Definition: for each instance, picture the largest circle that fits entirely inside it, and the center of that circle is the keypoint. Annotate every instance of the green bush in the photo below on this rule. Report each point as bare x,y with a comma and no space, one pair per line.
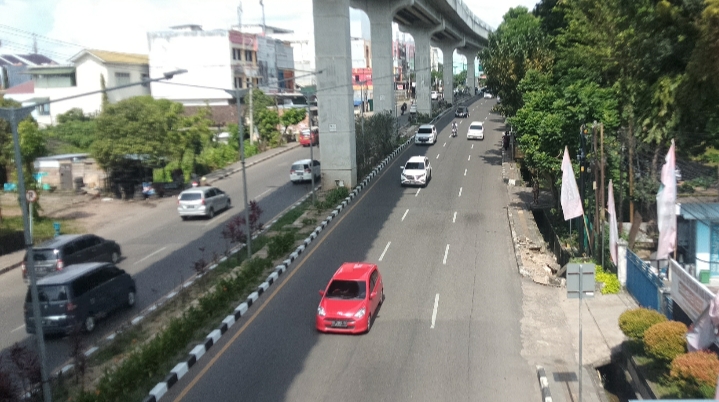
695,374
634,322
610,281
333,198
665,340
280,244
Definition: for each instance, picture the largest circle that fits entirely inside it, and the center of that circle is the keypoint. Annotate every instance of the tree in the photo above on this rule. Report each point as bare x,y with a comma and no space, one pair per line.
460,79
6,143
105,100
265,119
32,146
290,117
136,131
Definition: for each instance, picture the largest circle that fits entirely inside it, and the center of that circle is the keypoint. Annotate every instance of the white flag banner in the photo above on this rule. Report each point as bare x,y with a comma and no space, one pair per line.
571,201
666,207
613,233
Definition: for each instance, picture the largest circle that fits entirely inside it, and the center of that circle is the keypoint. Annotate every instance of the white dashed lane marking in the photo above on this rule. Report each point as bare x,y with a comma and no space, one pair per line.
434,311
385,250
405,214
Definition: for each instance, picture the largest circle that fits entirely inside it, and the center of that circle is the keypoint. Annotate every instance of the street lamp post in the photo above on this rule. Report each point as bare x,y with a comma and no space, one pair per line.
237,94
14,115
308,95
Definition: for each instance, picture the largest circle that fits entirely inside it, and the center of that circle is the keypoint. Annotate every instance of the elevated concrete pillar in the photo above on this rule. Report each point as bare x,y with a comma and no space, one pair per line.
422,67
448,72
471,55
380,15
334,92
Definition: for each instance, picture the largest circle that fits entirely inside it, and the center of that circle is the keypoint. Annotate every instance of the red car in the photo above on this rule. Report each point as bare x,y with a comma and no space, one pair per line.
308,138
351,299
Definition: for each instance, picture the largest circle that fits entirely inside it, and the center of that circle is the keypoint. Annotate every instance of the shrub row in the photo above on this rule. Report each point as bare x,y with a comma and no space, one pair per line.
141,368
610,281
694,374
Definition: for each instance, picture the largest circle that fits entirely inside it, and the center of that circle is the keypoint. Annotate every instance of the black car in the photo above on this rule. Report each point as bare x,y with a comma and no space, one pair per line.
61,251
78,296
461,111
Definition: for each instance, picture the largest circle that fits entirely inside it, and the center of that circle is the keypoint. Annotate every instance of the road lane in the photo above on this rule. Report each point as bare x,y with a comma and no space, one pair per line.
473,351
159,248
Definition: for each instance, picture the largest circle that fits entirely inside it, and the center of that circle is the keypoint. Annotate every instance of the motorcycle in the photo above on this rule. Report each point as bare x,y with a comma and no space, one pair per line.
454,131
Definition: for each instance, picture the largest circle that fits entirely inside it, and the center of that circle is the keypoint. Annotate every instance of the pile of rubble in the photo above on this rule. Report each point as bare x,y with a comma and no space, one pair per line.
538,264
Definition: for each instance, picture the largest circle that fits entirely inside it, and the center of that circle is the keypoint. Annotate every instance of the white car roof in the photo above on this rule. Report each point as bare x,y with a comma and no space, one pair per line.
427,126
475,123
418,158
301,161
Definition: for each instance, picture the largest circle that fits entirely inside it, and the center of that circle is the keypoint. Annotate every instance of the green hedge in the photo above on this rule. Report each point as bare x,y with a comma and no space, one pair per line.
634,322
138,373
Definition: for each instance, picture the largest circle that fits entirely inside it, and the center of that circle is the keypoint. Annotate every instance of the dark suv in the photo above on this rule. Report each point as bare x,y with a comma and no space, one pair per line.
461,111
78,296
61,251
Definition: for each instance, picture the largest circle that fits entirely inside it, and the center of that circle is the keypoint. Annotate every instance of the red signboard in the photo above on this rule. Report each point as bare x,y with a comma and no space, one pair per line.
244,39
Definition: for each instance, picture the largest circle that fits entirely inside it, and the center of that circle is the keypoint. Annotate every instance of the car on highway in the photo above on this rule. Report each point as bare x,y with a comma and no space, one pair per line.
475,131
351,299
417,171
435,95
413,109
310,137
79,296
462,111
55,254
487,95
426,134
202,201
301,171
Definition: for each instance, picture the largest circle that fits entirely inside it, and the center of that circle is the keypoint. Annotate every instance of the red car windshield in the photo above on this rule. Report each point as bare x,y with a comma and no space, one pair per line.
346,290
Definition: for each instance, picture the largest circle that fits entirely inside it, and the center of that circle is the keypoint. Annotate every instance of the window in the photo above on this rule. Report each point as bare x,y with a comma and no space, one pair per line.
347,290
43,110
236,54
414,166
248,55
51,293
145,77
238,82
425,130
122,78
373,279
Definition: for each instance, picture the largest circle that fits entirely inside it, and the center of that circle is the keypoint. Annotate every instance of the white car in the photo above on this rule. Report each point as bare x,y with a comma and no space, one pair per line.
426,134
417,171
475,131
301,171
201,201
435,95
487,95
413,108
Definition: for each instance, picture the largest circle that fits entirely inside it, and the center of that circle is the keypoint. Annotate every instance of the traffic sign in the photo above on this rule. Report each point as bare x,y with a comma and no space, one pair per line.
31,196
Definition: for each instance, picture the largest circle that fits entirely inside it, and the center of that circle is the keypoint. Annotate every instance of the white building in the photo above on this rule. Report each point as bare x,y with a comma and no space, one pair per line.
223,59
88,70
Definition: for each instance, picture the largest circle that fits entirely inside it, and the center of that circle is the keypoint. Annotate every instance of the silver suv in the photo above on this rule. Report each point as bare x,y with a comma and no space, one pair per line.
202,201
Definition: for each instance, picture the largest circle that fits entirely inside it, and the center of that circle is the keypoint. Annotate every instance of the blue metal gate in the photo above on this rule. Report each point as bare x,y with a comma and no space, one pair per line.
642,283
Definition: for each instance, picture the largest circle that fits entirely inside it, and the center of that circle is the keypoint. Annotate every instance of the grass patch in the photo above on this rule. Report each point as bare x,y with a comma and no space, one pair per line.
42,228
291,216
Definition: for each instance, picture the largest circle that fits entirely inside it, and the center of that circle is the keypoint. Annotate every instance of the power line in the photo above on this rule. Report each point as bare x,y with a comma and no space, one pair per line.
32,34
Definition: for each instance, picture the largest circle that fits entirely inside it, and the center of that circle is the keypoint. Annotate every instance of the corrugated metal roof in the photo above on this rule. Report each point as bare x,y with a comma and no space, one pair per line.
62,157
700,211
115,57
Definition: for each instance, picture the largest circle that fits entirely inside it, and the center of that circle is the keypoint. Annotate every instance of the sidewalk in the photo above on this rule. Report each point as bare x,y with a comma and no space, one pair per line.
550,326
11,261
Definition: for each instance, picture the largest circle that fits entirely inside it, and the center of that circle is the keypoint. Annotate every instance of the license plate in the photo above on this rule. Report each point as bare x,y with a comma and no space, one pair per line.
339,324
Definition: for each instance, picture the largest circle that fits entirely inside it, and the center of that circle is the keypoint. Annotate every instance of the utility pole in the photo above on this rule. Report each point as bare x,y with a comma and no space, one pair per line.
264,27
581,156
602,162
630,145
244,173
596,187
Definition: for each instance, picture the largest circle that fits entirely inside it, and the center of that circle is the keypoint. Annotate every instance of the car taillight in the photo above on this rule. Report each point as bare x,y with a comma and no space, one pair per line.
70,307
202,202
60,265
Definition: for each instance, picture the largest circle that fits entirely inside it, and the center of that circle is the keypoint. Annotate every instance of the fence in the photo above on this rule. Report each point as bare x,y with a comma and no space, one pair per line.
645,286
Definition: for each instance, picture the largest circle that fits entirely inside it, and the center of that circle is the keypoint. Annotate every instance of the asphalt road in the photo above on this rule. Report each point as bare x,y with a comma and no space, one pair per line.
159,249
450,326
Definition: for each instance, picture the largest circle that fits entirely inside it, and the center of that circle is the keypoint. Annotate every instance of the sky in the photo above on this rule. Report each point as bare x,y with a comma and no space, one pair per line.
64,27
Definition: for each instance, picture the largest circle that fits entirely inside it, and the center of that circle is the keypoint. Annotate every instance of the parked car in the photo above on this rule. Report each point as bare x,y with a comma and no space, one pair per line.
417,171
351,299
487,95
310,137
462,111
435,95
202,201
57,253
426,133
475,131
301,171
79,296
413,109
